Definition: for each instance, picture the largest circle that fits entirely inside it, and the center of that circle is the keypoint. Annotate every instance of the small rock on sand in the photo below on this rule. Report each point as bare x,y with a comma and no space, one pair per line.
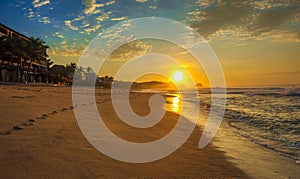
298,162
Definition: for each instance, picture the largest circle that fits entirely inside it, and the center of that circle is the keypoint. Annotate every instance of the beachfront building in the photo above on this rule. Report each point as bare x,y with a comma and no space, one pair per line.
22,59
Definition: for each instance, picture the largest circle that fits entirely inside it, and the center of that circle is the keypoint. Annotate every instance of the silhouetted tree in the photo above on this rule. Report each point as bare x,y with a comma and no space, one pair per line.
105,81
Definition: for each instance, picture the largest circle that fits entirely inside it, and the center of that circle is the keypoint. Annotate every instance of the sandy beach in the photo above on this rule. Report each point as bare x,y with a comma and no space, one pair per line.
40,137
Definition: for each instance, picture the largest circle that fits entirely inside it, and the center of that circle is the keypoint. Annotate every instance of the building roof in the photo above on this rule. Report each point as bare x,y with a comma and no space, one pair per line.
10,29
18,33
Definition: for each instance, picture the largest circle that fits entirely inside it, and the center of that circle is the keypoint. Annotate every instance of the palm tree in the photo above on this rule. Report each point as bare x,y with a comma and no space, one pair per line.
37,51
69,73
105,81
22,53
16,51
58,72
49,64
89,70
6,53
12,50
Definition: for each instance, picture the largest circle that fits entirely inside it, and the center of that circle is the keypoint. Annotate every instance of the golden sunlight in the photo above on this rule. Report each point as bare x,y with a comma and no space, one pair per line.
178,76
175,104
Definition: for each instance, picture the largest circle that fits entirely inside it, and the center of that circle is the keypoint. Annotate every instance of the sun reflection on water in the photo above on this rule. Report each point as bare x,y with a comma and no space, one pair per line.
173,103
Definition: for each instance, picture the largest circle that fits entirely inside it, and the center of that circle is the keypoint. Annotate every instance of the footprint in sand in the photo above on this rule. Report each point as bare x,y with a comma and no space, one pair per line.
63,109
17,127
31,120
29,124
17,97
43,117
5,133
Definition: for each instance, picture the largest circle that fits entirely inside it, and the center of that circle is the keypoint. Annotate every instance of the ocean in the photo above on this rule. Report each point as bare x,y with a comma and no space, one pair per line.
269,117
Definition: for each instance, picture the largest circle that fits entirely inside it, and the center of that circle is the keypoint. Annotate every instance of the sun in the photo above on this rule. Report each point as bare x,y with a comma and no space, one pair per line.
178,76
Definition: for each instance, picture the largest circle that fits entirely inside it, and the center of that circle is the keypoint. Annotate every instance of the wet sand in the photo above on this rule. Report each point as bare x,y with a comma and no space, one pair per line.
40,137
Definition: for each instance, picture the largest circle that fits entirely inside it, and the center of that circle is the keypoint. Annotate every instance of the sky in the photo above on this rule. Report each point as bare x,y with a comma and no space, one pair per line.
256,42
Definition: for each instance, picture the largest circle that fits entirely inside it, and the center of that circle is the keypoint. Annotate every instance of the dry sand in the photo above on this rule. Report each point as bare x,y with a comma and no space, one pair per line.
54,147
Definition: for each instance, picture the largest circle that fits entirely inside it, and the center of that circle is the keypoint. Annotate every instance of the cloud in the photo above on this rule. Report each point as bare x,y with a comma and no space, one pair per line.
103,17
152,7
35,13
204,3
271,4
85,25
63,42
197,15
31,14
118,19
96,12
244,20
66,50
78,18
285,36
92,29
60,36
45,20
217,18
141,1
68,24
91,6
110,3
130,50
268,21
39,3
57,34
88,24
296,17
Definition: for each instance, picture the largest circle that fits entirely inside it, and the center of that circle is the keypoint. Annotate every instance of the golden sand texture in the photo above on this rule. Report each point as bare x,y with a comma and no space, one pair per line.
49,143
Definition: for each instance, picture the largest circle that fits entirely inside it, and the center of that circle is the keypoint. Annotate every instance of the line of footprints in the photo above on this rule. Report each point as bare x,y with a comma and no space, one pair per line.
31,122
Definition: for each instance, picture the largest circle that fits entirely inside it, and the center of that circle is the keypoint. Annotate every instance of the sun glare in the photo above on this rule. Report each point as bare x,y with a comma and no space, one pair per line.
178,76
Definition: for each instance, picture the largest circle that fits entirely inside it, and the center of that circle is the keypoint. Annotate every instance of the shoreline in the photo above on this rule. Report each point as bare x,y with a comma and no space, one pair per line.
256,160
55,139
